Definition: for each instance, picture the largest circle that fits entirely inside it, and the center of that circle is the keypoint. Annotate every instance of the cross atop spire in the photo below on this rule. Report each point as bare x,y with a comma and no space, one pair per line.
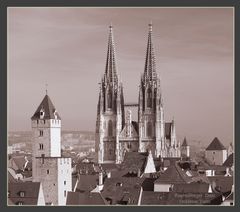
46,88
150,66
111,71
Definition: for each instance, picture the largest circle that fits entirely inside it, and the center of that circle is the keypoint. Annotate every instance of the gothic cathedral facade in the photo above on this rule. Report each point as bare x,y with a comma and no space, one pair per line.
116,133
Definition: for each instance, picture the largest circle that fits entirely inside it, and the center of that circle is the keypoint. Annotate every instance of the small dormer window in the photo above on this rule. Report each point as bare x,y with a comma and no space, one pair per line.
42,113
22,194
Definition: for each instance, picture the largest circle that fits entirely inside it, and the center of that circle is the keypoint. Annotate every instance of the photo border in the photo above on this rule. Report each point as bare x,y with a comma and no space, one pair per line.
4,4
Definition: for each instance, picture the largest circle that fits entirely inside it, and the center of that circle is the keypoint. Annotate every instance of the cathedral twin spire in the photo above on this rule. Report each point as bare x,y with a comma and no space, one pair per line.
150,66
111,70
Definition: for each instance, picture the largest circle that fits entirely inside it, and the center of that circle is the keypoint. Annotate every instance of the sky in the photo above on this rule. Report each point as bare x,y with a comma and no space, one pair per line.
66,48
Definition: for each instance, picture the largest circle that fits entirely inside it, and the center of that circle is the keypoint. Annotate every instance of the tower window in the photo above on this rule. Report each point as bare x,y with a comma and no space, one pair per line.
109,99
110,128
41,146
40,133
149,98
64,182
65,193
149,129
48,171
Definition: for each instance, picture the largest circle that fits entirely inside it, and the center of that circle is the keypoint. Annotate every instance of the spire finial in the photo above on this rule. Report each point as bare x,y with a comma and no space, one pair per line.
46,88
150,26
110,26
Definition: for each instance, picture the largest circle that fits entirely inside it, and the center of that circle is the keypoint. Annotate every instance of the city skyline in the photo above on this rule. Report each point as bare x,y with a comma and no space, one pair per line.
67,47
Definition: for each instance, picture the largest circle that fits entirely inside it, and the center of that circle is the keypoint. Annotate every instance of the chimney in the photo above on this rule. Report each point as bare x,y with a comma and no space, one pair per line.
100,178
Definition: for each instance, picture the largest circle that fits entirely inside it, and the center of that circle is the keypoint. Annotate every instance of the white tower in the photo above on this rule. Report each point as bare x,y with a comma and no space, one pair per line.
48,166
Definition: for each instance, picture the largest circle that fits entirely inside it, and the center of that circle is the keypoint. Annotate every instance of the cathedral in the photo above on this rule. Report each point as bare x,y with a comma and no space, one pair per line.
116,132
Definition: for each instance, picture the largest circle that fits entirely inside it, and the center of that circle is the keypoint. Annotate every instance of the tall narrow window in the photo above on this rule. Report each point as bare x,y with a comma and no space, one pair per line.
110,128
65,193
40,133
109,99
48,171
149,129
64,182
149,98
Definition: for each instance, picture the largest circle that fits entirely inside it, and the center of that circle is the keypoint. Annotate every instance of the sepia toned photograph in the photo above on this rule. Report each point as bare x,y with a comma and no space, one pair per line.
121,106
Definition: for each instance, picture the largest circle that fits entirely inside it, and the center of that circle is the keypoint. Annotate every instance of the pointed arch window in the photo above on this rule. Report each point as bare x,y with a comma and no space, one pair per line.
109,99
110,128
149,98
149,129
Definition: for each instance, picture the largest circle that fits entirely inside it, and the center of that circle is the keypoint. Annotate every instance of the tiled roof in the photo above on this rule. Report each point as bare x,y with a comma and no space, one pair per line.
173,174
20,161
173,198
215,145
221,183
87,183
120,188
11,179
194,187
85,168
48,108
86,198
229,161
30,189
134,161
148,184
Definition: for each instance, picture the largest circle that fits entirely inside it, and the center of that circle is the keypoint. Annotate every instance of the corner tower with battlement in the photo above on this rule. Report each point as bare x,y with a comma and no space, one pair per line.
49,168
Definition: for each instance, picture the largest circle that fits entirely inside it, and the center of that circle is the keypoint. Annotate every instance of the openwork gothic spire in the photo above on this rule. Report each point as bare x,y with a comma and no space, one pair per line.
150,66
111,72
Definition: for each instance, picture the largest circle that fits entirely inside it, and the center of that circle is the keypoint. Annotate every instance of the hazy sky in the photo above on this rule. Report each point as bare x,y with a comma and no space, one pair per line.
67,48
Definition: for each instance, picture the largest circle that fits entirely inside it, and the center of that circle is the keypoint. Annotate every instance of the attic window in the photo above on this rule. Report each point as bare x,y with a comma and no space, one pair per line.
119,184
41,113
21,193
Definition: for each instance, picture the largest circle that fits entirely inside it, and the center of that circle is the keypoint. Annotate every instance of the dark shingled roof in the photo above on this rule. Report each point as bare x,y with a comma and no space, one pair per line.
87,183
31,190
185,142
168,130
229,161
48,108
122,189
20,161
215,145
221,183
173,174
195,187
86,198
134,161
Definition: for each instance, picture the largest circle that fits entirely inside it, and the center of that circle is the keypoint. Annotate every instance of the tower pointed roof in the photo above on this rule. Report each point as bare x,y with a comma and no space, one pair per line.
150,66
111,71
215,145
184,142
49,109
